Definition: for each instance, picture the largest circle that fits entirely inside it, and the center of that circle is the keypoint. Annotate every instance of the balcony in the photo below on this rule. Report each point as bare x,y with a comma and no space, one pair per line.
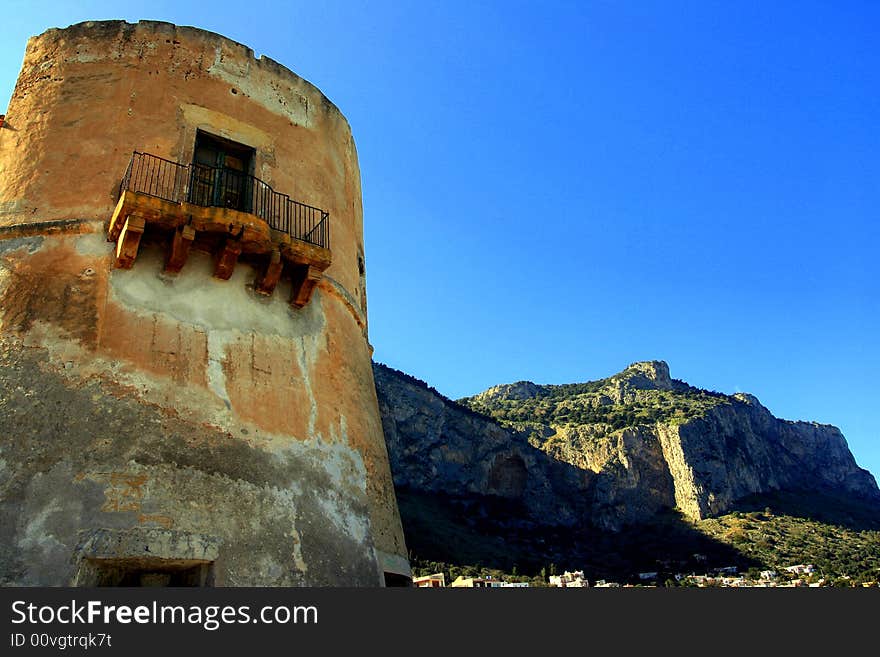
225,212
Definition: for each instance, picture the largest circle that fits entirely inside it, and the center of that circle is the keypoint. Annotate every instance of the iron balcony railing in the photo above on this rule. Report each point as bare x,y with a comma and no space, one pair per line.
217,187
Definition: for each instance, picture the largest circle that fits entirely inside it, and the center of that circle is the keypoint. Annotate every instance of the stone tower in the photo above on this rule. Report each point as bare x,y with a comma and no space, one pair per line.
186,396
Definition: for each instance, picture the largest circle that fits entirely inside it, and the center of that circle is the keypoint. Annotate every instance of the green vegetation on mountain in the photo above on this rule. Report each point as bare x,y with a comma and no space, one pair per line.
777,541
596,403
840,536
844,544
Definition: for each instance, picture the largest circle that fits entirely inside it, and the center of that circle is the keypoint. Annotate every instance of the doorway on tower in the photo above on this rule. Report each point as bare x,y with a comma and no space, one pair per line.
222,173
396,579
145,571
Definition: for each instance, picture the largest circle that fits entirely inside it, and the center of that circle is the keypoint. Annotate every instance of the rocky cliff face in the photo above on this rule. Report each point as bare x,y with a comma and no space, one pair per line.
609,452
738,449
438,446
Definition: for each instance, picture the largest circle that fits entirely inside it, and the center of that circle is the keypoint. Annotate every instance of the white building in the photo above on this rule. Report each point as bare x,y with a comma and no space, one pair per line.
569,580
801,569
435,581
477,583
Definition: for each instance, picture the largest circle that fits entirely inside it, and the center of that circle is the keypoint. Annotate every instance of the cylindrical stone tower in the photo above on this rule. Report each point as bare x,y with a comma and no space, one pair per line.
186,395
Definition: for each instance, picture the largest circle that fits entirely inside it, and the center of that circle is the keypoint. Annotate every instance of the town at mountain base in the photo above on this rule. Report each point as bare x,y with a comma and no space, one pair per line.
634,472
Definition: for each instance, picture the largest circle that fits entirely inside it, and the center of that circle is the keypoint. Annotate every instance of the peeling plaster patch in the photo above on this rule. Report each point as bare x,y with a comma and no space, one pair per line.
123,491
332,455
343,464
196,297
93,244
298,560
307,357
343,428
341,500
200,403
59,345
291,498
36,534
277,96
32,244
228,66
313,403
84,58
217,343
340,514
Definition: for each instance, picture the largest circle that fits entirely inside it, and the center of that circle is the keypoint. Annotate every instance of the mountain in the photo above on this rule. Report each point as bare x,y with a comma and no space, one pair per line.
557,469
650,441
612,452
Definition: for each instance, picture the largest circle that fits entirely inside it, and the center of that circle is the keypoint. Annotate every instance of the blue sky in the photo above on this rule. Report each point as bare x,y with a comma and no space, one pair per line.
553,190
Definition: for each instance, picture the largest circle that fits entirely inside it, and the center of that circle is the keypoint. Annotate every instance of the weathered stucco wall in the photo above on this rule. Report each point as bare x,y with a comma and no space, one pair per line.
180,413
